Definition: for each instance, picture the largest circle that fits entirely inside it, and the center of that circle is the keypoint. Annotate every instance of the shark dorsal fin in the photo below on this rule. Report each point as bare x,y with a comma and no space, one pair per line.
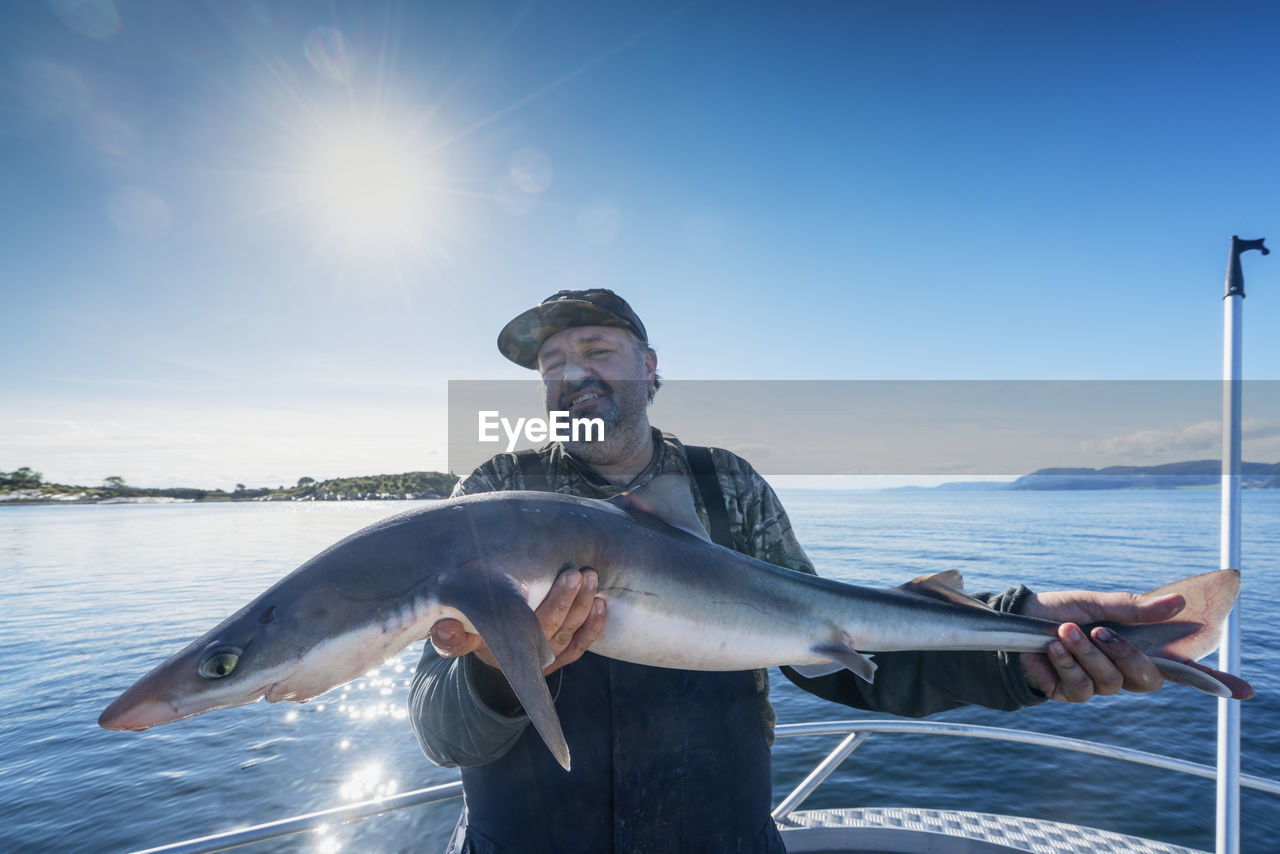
947,586
667,497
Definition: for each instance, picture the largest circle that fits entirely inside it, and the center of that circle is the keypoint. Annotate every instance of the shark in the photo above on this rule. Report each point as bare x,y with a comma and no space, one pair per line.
674,599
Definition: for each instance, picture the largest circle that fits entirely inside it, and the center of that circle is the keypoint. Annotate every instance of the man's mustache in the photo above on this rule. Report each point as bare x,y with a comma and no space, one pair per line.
590,383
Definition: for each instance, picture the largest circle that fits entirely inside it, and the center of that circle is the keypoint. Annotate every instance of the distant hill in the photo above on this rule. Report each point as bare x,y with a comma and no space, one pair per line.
1194,473
26,487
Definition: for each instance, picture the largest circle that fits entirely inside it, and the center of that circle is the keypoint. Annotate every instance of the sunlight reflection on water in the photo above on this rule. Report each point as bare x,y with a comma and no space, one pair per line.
366,782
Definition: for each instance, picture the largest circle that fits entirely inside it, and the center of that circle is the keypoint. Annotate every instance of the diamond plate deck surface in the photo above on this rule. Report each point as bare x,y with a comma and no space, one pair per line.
1016,833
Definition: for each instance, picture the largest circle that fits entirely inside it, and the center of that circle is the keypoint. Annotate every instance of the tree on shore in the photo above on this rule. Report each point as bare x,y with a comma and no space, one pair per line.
306,481
113,482
21,478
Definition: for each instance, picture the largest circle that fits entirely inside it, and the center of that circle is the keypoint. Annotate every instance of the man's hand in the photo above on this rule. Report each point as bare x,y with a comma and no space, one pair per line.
1076,666
571,615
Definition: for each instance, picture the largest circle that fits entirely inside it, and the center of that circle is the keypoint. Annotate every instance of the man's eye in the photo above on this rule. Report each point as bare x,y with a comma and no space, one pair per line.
553,366
596,354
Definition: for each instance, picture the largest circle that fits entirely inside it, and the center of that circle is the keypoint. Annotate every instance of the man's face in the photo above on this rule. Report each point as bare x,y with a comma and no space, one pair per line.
597,372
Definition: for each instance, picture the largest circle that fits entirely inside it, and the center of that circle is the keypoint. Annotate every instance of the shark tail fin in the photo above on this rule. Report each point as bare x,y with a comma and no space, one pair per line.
514,636
1176,645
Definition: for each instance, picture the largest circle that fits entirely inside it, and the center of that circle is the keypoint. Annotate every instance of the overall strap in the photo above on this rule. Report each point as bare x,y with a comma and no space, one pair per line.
704,475
532,470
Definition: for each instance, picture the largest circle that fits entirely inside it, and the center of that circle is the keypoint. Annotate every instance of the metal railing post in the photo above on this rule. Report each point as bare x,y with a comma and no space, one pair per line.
818,774
1227,825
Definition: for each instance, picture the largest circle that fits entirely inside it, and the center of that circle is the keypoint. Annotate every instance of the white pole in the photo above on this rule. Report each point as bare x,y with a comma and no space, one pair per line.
1228,822
1228,806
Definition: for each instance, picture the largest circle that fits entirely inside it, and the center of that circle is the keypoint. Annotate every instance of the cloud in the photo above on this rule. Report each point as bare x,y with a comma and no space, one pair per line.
1196,440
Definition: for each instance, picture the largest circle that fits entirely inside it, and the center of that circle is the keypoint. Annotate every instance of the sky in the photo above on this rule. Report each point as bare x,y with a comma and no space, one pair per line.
247,242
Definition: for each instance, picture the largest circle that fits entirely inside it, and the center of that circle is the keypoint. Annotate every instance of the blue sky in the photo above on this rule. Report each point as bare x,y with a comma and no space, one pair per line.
200,287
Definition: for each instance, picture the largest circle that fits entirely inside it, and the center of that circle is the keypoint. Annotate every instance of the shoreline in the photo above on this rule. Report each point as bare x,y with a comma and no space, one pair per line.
164,499
25,487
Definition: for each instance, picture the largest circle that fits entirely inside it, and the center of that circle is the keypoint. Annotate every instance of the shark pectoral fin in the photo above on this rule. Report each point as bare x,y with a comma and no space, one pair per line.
849,658
514,636
1203,678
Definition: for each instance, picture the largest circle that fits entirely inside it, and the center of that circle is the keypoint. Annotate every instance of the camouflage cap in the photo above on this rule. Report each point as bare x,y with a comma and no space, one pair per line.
521,339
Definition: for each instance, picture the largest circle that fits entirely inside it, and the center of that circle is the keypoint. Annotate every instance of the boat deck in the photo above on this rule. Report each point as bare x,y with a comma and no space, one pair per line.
893,830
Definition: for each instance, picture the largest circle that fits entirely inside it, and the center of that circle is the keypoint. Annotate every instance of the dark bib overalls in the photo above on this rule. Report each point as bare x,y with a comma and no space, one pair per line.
663,761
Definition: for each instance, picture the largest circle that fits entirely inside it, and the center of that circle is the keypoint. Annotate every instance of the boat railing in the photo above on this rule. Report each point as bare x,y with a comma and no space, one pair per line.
855,732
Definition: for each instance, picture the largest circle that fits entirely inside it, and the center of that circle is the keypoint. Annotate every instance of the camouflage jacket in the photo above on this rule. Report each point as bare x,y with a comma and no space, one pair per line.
757,522
456,727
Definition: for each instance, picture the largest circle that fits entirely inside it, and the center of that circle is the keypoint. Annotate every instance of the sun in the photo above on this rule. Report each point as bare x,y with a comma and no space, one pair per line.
367,188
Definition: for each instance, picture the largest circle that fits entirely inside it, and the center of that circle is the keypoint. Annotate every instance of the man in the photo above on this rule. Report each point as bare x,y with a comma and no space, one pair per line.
668,760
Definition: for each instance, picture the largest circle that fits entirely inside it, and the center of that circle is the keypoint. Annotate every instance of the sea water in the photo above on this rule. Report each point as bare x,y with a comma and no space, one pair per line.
93,596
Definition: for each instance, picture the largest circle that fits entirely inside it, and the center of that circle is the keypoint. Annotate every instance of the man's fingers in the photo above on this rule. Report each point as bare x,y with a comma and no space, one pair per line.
1084,606
1074,684
571,616
450,639
1076,667
1100,665
1138,672
1132,608
553,610
1103,676
1160,608
579,608
583,623
590,631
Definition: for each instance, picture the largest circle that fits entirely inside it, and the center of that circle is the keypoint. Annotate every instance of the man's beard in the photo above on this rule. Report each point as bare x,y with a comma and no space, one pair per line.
620,407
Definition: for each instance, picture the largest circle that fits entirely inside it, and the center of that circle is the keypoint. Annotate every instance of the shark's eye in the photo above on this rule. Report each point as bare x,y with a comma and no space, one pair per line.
219,663
267,615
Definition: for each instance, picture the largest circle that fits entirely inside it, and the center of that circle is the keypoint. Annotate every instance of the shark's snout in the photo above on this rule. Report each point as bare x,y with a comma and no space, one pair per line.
144,709
131,714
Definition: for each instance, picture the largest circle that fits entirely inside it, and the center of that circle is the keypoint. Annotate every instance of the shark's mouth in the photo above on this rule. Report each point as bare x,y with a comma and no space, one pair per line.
279,688
279,692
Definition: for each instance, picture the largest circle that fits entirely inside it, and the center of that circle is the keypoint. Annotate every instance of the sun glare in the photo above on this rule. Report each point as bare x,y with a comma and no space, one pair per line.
368,189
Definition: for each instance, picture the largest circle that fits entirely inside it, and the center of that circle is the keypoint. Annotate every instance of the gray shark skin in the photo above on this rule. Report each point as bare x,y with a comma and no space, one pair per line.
673,598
